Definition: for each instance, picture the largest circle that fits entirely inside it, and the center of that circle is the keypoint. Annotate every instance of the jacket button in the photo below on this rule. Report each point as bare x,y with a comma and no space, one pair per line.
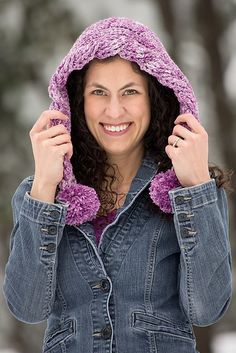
179,200
52,230
105,285
106,332
55,214
185,232
182,217
51,247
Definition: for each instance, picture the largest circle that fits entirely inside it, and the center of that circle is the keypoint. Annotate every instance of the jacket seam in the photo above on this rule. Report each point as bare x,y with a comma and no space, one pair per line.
189,284
150,269
49,290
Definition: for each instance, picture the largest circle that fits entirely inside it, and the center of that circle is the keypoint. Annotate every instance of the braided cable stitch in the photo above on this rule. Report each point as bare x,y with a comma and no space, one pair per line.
135,42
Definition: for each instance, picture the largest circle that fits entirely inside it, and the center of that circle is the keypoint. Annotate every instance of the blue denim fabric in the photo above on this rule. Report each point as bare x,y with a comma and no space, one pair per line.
151,277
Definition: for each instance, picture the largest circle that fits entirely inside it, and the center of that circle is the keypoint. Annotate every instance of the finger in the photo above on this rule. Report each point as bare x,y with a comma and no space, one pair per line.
170,151
53,131
66,149
175,141
58,140
70,151
45,135
191,122
182,132
45,119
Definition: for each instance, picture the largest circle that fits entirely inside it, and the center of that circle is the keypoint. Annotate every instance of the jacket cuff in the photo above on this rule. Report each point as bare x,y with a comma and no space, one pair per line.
44,212
48,221
184,199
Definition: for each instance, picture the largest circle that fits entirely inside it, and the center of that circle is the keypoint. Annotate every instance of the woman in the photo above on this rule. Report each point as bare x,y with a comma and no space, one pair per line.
120,239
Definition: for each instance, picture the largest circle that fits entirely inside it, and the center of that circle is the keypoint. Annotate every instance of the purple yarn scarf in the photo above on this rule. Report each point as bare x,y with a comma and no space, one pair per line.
132,41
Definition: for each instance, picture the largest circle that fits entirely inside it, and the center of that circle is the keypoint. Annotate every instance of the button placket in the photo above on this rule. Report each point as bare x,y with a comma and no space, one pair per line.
105,285
187,232
184,217
52,230
181,199
49,230
105,333
51,247
55,214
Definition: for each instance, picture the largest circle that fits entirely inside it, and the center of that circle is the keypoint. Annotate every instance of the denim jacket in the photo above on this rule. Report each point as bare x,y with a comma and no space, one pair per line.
140,290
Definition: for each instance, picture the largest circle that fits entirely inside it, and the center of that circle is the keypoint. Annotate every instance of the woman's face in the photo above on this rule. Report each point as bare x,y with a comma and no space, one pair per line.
116,106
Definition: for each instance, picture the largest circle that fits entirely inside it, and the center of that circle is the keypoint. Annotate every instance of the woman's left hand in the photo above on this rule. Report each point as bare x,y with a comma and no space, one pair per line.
188,151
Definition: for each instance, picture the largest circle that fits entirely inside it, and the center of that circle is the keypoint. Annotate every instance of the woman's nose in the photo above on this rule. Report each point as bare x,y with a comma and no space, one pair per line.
114,108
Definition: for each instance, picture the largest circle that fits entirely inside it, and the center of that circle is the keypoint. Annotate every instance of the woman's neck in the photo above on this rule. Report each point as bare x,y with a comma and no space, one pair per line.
126,169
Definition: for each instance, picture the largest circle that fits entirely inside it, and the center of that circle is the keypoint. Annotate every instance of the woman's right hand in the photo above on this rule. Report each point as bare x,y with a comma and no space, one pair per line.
50,144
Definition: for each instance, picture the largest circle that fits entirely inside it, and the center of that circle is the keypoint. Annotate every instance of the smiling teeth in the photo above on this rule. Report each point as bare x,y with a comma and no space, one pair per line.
116,128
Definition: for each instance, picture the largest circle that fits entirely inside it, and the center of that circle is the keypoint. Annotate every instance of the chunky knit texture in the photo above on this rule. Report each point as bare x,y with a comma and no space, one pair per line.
135,42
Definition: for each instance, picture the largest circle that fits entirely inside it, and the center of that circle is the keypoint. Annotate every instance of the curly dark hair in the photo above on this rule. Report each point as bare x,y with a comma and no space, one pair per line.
89,160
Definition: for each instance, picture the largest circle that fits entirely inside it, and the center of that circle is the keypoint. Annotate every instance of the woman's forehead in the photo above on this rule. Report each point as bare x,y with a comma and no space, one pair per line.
113,66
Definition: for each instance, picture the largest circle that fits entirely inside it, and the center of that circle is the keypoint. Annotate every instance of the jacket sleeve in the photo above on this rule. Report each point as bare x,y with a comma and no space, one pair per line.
30,274
205,276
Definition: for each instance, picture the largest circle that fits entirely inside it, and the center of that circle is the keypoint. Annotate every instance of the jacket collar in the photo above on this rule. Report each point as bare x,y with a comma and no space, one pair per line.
144,176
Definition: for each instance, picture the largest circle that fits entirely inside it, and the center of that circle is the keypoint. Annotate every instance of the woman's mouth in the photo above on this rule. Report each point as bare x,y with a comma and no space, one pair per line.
116,129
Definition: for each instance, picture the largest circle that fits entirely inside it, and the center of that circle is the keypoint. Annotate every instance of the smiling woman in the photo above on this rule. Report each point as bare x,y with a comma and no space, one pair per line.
118,114
146,99
120,238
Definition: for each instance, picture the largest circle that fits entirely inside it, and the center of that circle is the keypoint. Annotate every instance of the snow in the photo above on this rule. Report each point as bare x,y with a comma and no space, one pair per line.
224,343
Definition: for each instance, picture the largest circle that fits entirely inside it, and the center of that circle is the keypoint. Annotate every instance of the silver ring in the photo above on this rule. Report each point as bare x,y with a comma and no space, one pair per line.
175,144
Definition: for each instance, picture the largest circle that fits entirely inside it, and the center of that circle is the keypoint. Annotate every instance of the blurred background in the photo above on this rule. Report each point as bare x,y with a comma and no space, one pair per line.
36,35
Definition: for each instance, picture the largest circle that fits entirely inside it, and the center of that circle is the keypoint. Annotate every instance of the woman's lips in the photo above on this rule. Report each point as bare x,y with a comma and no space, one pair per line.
116,130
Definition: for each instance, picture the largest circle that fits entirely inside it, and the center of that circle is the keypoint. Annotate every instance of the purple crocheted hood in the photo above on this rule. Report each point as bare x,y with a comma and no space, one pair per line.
132,41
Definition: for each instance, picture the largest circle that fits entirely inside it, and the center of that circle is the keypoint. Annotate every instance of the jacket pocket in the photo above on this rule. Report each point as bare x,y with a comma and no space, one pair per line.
155,324
59,336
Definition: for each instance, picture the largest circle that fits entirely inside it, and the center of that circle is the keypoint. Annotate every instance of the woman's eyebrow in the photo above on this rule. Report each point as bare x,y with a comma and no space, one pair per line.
98,85
130,84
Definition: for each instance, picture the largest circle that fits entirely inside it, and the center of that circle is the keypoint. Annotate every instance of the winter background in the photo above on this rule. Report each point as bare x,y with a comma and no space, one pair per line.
35,36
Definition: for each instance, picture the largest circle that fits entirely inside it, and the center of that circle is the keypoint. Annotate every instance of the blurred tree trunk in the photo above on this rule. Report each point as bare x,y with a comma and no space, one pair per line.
24,52
169,22
210,25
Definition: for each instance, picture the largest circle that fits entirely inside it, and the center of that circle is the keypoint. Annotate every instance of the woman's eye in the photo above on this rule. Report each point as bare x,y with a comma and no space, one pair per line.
130,92
98,92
